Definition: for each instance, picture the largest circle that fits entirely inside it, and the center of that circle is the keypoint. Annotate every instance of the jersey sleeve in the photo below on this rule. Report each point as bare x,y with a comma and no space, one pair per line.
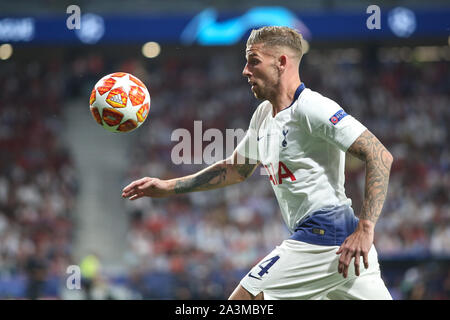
324,118
248,147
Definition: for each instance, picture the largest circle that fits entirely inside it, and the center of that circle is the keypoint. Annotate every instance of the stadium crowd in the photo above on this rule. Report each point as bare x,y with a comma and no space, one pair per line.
38,183
198,246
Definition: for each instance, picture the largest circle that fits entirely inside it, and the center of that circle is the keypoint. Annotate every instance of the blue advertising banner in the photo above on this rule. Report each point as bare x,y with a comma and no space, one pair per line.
210,27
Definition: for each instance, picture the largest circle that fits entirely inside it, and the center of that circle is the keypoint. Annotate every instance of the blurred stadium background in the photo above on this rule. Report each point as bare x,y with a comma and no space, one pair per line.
61,175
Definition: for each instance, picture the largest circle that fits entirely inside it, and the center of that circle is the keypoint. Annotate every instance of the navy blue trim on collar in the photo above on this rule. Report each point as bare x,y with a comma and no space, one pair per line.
299,90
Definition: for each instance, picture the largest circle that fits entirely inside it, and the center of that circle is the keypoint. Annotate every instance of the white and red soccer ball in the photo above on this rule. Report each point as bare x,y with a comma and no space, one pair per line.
120,102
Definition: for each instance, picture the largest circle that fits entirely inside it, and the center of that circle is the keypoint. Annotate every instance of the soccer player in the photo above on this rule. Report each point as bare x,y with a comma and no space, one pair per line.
300,137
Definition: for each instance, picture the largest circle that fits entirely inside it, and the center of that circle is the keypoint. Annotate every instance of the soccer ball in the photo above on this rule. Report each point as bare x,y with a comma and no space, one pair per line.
119,102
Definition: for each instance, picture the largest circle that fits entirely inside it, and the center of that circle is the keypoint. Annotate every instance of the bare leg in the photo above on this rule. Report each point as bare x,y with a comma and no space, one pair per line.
241,294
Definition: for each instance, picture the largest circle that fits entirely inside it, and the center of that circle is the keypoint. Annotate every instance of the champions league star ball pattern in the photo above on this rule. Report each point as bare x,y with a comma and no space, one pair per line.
119,102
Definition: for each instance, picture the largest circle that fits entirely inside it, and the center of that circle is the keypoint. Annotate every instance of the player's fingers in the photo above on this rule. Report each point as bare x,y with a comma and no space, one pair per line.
129,193
145,185
345,261
357,258
345,270
136,196
342,261
134,187
342,269
129,187
366,260
341,248
134,184
126,193
341,264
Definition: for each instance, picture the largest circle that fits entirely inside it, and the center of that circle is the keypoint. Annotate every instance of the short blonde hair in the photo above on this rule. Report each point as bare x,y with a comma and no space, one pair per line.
277,36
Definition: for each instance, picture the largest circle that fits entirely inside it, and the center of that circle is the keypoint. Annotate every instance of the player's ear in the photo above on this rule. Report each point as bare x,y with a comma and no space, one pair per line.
282,62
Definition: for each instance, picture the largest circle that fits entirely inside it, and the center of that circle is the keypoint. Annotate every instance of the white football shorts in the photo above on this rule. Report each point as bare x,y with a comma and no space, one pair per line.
309,270
299,270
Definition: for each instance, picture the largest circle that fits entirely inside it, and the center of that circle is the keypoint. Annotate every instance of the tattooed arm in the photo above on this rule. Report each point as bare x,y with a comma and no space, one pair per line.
378,165
221,174
378,162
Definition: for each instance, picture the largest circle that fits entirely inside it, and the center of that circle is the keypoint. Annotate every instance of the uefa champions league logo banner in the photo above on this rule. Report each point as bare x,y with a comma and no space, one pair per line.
204,28
211,27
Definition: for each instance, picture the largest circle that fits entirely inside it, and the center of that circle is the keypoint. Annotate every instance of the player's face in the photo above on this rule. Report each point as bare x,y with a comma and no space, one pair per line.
261,71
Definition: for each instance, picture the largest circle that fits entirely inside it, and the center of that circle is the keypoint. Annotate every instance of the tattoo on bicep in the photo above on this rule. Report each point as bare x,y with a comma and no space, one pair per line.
360,146
208,178
378,163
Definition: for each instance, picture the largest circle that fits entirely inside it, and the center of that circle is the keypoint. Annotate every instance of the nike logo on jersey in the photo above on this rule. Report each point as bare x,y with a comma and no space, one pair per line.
267,135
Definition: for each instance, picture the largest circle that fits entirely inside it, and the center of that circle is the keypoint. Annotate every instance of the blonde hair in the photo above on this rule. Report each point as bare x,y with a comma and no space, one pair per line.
277,36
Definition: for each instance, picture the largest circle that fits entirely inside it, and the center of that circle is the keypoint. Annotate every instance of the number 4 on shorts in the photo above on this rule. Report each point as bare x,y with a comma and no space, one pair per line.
265,266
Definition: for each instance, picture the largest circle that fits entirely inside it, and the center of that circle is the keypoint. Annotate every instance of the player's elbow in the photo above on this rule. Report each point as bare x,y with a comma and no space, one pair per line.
390,157
387,158
239,179
242,177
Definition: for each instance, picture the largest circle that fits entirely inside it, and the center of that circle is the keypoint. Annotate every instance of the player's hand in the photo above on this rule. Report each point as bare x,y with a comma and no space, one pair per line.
356,245
149,187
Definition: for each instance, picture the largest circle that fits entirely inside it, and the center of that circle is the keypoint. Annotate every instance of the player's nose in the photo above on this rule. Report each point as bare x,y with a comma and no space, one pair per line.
246,72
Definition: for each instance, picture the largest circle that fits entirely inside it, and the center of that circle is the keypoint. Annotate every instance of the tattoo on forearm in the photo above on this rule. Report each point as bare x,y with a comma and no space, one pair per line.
244,170
204,180
378,165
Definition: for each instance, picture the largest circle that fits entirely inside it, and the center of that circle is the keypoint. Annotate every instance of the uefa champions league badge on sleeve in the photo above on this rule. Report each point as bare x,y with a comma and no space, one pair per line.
338,116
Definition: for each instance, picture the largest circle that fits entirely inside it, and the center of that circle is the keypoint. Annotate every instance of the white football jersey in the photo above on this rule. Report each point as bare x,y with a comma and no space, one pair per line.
303,150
